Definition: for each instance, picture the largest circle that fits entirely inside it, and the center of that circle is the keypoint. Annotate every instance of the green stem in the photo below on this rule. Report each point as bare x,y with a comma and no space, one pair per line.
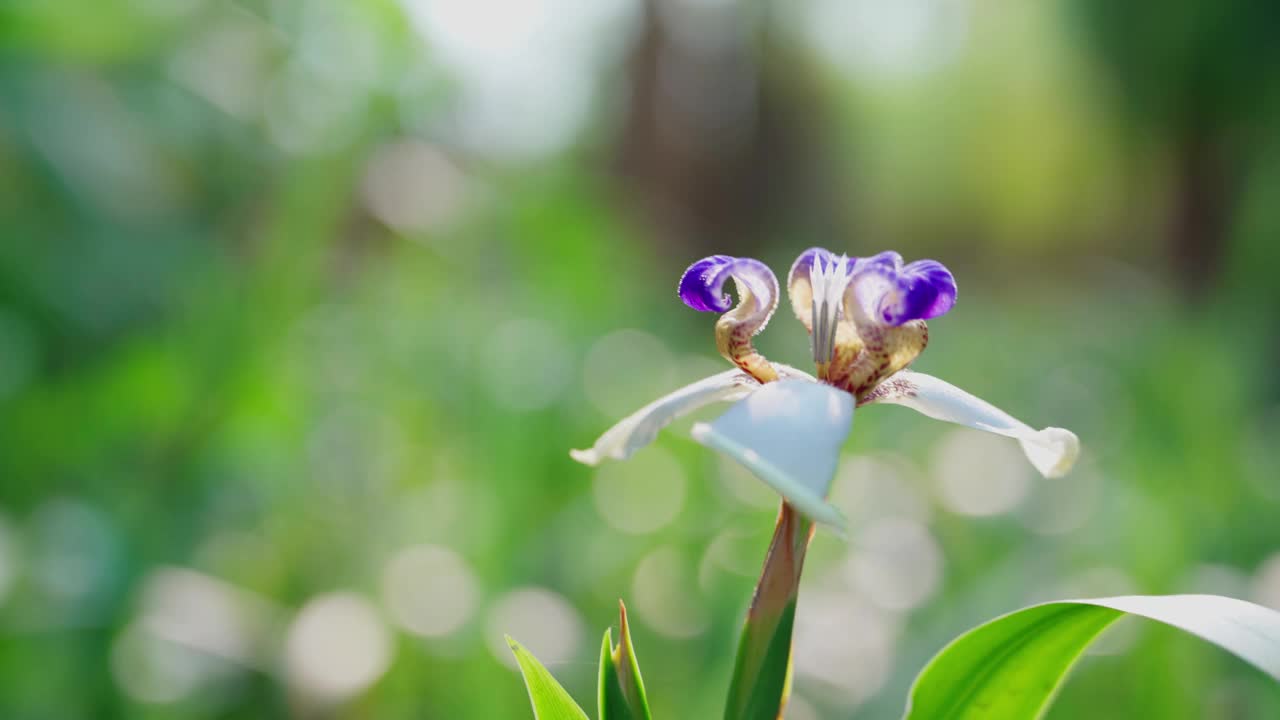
762,672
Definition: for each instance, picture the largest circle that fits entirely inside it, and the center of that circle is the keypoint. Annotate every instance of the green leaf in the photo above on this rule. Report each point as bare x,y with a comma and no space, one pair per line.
1011,667
622,695
760,687
550,700
762,671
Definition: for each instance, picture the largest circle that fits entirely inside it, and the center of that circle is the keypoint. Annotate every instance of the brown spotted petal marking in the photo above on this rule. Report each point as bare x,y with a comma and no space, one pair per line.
874,354
865,316
702,288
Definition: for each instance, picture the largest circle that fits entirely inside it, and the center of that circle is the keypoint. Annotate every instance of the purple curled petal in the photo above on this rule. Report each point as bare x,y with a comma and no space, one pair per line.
702,285
941,286
892,293
922,290
699,288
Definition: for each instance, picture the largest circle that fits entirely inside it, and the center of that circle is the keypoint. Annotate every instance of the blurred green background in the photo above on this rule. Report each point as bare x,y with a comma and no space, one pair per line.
303,303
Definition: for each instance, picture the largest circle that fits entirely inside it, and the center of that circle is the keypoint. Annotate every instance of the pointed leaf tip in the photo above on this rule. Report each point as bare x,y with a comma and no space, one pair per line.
624,634
549,699
622,694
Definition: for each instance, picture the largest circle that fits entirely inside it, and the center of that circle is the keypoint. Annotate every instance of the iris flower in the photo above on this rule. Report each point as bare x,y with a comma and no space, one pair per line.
866,320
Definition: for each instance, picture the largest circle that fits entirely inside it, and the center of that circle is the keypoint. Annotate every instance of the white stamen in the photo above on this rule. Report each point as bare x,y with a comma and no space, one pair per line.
828,280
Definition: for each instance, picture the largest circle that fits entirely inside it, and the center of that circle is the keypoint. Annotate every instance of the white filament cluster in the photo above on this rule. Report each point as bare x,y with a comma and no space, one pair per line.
828,278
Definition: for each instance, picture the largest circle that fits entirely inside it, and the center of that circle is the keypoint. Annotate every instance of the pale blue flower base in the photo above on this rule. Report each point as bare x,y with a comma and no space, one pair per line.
789,435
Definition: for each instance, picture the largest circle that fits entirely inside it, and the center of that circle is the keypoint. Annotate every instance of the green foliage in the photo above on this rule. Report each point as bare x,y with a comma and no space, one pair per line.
761,678
759,688
1011,668
622,695
550,700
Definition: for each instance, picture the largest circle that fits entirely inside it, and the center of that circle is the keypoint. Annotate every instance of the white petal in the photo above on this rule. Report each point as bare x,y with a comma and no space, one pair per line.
789,435
1052,450
641,427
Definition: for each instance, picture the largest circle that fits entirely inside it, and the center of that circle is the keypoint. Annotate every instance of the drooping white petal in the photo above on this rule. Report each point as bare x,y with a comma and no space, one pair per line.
1052,450
788,434
641,427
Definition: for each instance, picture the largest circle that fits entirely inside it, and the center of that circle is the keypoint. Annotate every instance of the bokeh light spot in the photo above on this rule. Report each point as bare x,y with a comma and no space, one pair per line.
896,564
535,65
845,643
980,474
871,487
413,186
735,553
227,63
206,614
336,647
527,364
429,590
661,591
543,621
641,495
888,40
626,370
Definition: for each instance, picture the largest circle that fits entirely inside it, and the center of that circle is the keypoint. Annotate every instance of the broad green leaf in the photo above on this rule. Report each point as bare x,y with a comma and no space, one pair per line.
788,434
760,685
762,670
1011,667
550,700
622,695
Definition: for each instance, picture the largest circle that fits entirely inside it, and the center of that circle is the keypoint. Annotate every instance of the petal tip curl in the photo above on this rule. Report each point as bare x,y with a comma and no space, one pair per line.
586,457
1053,451
701,289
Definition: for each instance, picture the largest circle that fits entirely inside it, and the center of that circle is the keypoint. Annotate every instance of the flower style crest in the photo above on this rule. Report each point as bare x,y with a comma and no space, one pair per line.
816,285
867,319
